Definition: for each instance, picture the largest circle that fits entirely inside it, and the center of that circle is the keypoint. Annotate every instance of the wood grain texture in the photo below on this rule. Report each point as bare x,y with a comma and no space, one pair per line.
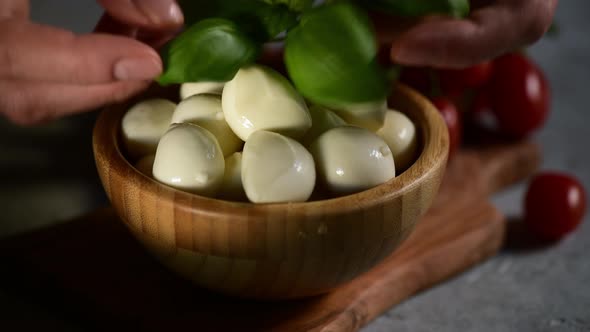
92,272
273,251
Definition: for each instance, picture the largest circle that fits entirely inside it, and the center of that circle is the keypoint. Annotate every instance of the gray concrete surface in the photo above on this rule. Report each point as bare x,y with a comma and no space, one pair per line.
47,175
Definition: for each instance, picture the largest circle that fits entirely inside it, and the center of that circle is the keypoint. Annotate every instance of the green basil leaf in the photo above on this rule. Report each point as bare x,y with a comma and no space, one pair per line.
295,5
211,50
331,57
417,8
256,18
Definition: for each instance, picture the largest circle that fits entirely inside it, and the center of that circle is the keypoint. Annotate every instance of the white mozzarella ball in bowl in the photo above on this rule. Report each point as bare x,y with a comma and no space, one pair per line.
189,158
352,159
205,111
259,98
197,88
322,120
232,187
144,124
369,115
399,132
276,168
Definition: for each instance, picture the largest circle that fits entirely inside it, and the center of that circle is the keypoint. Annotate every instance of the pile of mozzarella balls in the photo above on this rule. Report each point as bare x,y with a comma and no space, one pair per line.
256,139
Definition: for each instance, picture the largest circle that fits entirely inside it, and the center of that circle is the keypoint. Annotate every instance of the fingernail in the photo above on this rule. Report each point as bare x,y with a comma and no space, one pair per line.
161,12
175,13
137,69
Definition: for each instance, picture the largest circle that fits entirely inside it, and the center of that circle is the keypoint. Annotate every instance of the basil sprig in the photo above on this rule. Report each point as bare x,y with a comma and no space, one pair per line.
211,50
330,50
331,57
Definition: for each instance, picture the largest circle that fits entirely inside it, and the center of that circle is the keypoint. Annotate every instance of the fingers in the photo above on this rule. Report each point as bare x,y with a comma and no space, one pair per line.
490,31
107,24
14,8
540,16
48,72
153,38
449,43
154,14
156,39
40,53
29,103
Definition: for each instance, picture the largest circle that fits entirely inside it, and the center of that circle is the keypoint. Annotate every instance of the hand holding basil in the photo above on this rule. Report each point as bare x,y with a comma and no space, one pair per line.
330,51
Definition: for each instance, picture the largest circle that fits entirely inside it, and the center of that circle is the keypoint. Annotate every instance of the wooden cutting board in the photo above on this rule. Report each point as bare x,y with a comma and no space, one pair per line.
92,272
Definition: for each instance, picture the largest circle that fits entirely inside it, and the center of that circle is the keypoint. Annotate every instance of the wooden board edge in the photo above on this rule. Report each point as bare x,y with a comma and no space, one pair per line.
373,302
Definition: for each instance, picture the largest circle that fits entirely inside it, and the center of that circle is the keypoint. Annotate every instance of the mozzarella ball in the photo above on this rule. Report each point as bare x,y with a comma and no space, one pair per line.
322,120
232,188
365,115
144,124
399,132
146,164
197,88
190,159
352,159
276,168
205,110
259,98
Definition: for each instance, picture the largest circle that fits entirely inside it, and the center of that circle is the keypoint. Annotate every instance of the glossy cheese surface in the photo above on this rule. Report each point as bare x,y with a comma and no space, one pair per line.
276,168
258,98
205,110
144,124
189,158
352,159
399,132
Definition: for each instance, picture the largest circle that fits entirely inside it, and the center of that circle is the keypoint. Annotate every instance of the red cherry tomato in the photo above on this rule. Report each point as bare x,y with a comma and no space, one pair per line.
453,120
456,81
520,95
481,113
555,204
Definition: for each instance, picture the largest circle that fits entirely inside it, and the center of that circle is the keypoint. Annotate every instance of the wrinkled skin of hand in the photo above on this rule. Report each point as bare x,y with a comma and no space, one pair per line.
494,27
48,72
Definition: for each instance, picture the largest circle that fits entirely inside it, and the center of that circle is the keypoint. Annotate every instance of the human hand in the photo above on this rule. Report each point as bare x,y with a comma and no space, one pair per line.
48,72
494,27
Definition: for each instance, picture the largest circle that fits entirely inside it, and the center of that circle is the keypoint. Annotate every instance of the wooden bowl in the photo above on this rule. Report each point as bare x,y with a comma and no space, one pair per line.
274,251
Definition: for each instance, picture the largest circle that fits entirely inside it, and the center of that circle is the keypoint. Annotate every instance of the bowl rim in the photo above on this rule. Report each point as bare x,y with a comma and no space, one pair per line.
434,142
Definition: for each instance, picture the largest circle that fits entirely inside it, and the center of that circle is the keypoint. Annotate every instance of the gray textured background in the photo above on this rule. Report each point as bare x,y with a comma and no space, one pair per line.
47,174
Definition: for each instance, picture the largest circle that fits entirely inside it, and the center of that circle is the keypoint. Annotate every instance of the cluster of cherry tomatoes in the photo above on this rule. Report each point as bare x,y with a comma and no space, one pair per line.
509,97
